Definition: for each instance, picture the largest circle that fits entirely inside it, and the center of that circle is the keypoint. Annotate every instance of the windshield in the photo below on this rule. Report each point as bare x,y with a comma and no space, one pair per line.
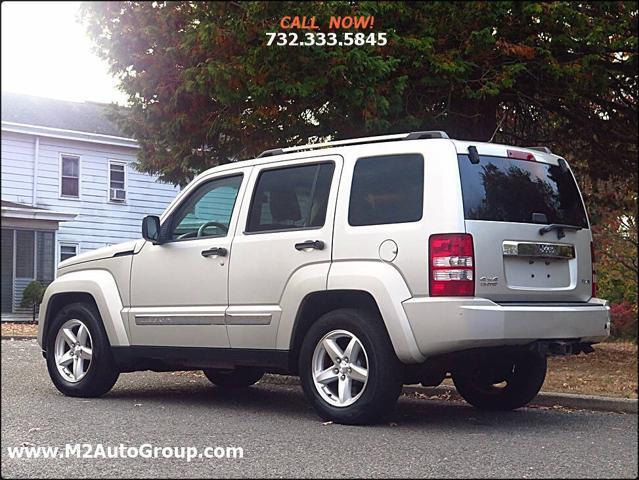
511,190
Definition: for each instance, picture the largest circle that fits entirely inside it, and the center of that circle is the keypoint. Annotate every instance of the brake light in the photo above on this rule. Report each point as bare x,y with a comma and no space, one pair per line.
593,261
519,155
452,265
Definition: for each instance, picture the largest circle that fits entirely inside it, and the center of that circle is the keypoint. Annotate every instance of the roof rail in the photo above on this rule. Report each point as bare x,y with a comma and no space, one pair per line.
356,141
540,149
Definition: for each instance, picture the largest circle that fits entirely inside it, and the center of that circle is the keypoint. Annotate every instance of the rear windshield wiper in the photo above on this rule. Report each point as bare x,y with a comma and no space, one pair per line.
560,229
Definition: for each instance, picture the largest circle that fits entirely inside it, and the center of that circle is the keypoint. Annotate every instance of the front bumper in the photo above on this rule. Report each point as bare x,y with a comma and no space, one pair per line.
442,325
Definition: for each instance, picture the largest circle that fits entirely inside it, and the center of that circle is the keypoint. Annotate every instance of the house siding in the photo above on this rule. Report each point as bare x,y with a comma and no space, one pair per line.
99,222
17,167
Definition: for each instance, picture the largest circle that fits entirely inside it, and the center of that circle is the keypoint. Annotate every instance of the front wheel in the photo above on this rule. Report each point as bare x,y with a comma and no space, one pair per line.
348,368
79,356
502,383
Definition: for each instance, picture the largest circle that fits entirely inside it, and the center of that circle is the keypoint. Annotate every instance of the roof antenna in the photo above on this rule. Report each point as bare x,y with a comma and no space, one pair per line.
497,129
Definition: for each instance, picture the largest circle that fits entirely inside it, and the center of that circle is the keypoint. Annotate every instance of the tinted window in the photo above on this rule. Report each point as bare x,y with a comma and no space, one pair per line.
510,190
388,189
290,198
207,213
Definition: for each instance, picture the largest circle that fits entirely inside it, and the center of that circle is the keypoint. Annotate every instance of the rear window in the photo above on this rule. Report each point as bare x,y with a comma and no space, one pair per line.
511,190
387,189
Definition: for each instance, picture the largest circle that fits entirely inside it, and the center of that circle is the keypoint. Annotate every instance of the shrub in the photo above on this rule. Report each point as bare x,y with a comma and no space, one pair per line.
32,296
624,320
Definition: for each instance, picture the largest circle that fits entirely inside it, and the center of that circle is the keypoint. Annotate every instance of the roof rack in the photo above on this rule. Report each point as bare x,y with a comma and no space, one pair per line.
540,149
357,141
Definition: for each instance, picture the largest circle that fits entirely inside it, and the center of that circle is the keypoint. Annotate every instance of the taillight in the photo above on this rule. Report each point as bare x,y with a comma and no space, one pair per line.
593,261
452,265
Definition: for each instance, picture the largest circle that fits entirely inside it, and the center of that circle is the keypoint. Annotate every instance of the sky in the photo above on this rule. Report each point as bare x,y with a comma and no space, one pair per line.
47,52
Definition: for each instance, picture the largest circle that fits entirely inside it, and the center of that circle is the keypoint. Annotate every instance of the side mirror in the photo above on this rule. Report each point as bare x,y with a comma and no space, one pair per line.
151,229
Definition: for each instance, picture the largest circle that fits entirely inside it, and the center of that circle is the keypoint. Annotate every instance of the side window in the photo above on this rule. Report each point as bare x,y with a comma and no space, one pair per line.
207,212
291,198
387,189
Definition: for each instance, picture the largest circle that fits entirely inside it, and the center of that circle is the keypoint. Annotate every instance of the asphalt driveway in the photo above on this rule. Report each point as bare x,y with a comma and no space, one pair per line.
282,437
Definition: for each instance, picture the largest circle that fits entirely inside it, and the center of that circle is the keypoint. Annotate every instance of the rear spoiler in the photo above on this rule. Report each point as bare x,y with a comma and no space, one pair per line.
540,149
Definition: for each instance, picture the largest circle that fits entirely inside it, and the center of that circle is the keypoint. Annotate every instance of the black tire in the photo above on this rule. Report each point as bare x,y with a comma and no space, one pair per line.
102,372
523,373
239,377
383,386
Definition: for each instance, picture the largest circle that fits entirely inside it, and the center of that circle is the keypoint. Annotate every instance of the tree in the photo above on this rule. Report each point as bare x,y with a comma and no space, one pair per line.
204,89
32,296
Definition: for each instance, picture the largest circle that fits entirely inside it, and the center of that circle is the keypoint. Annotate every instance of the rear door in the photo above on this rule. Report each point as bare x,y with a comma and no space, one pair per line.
285,225
509,206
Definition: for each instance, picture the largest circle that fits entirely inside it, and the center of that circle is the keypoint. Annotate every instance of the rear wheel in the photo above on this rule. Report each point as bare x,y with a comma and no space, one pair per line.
502,383
348,368
79,356
240,377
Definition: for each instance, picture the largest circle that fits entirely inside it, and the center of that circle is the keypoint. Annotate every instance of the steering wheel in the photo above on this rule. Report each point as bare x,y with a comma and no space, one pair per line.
204,226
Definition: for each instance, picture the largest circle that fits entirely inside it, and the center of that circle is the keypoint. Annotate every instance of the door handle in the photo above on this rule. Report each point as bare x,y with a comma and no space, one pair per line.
211,252
316,244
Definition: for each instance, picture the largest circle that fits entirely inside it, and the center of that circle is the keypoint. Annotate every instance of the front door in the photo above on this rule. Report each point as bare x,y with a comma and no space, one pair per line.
285,230
179,288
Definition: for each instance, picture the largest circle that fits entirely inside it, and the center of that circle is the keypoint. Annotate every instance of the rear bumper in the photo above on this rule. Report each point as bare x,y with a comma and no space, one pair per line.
442,325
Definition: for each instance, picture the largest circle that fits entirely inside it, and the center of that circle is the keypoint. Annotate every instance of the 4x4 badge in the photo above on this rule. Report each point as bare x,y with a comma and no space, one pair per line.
488,281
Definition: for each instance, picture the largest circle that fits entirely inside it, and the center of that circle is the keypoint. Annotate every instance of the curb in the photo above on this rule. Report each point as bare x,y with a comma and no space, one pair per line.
19,337
543,399
546,399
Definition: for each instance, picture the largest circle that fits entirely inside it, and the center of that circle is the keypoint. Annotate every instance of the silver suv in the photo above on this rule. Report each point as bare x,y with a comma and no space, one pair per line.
358,265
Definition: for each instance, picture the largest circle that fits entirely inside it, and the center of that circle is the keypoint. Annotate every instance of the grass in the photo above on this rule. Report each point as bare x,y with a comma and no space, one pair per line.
610,371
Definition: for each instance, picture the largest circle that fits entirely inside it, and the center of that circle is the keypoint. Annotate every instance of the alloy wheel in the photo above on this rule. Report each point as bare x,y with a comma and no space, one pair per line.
340,368
73,350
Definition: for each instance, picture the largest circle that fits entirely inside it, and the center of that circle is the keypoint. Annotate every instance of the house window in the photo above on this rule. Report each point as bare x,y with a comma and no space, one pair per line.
117,182
68,250
70,176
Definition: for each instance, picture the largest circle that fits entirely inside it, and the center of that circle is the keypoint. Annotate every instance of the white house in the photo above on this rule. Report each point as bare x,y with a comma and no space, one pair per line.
68,186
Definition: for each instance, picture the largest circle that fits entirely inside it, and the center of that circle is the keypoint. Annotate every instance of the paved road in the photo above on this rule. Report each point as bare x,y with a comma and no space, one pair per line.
282,437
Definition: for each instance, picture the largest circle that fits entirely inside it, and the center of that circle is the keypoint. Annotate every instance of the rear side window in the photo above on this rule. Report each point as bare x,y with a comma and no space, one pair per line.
511,190
291,198
387,189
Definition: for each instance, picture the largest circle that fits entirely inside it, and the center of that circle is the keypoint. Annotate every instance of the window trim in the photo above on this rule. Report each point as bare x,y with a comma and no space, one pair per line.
167,224
61,155
283,167
76,245
126,181
350,193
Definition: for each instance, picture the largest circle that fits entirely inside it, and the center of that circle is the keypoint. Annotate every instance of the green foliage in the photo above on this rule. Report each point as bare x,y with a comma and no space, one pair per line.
32,296
205,89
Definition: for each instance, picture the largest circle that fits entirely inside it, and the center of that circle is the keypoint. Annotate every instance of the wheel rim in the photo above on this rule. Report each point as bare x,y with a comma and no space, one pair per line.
340,368
73,350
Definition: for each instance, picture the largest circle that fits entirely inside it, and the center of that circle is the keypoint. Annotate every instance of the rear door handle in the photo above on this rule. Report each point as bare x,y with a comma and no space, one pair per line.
211,252
316,244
